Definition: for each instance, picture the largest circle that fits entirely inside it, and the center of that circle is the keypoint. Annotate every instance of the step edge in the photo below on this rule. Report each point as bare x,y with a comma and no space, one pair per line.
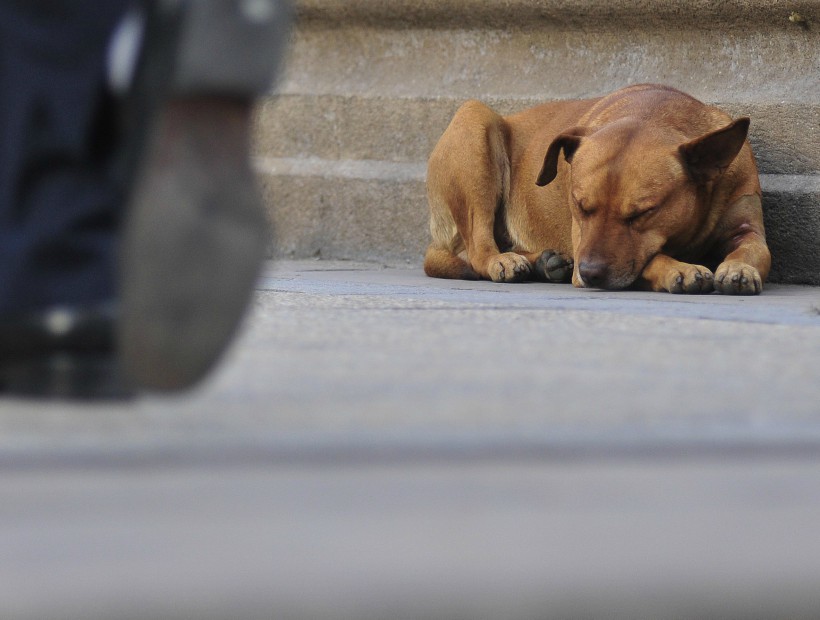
371,169
360,169
700,14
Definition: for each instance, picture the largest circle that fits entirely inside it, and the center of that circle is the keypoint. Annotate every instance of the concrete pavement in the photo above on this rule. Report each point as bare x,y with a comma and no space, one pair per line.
380,444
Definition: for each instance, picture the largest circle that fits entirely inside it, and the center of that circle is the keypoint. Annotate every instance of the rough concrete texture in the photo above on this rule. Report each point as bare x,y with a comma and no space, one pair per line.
371,85
768,65
366,210
358,349
356,210
400,129
379,444
698,14
792,222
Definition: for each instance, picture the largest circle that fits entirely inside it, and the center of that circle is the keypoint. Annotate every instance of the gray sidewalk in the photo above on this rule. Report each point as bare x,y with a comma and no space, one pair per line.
379,444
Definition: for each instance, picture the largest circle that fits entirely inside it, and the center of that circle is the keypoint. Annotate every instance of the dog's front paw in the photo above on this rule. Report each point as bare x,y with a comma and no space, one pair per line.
508,267
737,278
690,279
554,267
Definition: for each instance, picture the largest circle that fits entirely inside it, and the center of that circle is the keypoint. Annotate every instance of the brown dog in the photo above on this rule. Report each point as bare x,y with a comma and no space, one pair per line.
654,190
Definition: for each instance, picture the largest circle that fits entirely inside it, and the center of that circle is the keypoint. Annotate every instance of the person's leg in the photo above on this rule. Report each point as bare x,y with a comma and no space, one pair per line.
59,202
150,203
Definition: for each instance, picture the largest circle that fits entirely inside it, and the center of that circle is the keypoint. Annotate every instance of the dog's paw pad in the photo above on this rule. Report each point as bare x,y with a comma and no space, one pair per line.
509,267
737,278
692,280
554,267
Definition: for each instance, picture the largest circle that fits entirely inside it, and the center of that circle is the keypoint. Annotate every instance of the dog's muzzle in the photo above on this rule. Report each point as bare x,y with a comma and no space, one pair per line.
594,273
599,274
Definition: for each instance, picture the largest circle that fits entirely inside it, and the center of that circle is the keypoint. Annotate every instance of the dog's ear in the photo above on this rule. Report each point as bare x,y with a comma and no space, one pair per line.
568,141
709,155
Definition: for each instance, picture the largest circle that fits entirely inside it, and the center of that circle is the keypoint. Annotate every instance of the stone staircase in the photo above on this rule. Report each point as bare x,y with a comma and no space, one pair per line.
370,85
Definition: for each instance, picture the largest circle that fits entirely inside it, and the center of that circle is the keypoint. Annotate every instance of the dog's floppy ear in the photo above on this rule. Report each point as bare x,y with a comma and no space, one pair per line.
709,155
568,140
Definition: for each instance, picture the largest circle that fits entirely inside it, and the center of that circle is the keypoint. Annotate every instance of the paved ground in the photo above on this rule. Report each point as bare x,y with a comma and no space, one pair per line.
379,444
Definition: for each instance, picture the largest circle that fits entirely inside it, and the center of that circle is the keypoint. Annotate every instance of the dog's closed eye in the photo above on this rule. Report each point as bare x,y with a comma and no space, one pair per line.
640,215
583,206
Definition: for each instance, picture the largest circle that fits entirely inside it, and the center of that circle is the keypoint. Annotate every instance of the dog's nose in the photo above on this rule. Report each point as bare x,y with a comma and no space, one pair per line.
593,273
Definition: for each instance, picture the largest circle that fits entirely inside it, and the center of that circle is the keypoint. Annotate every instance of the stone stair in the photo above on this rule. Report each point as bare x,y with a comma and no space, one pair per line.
370,85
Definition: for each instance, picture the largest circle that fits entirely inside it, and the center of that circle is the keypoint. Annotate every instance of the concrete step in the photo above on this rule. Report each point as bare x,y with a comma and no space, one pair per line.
737,50
370,87
785,137
348,209
791,208
377,210
565,14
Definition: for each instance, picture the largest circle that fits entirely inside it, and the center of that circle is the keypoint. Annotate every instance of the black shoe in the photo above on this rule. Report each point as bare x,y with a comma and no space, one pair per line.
195,231
62,353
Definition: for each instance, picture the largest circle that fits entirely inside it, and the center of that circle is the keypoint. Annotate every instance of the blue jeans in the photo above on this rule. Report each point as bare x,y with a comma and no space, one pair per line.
60,195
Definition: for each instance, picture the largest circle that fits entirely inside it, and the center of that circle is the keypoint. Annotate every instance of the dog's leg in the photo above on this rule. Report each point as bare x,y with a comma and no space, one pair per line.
664,273
550,266
748,260
504,267
444,257
742,272
442,263
467,185
486,187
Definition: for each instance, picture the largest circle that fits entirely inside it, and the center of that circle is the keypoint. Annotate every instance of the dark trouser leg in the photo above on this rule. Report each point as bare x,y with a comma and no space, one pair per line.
164,217
60,201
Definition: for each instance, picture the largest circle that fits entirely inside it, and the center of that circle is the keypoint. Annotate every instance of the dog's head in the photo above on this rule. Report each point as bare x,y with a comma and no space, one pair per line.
633,188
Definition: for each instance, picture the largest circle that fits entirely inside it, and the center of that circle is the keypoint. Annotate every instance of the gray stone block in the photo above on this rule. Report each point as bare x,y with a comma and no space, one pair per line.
717,57
350,210
792,218
785,137
597,14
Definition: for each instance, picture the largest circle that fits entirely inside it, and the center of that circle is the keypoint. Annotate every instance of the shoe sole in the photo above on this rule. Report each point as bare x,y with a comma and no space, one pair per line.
196,233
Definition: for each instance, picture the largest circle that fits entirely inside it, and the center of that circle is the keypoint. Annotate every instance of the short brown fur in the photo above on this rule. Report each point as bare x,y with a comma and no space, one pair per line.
646,187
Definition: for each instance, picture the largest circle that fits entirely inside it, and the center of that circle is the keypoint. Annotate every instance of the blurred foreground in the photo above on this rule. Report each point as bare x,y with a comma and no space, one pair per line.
379,444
